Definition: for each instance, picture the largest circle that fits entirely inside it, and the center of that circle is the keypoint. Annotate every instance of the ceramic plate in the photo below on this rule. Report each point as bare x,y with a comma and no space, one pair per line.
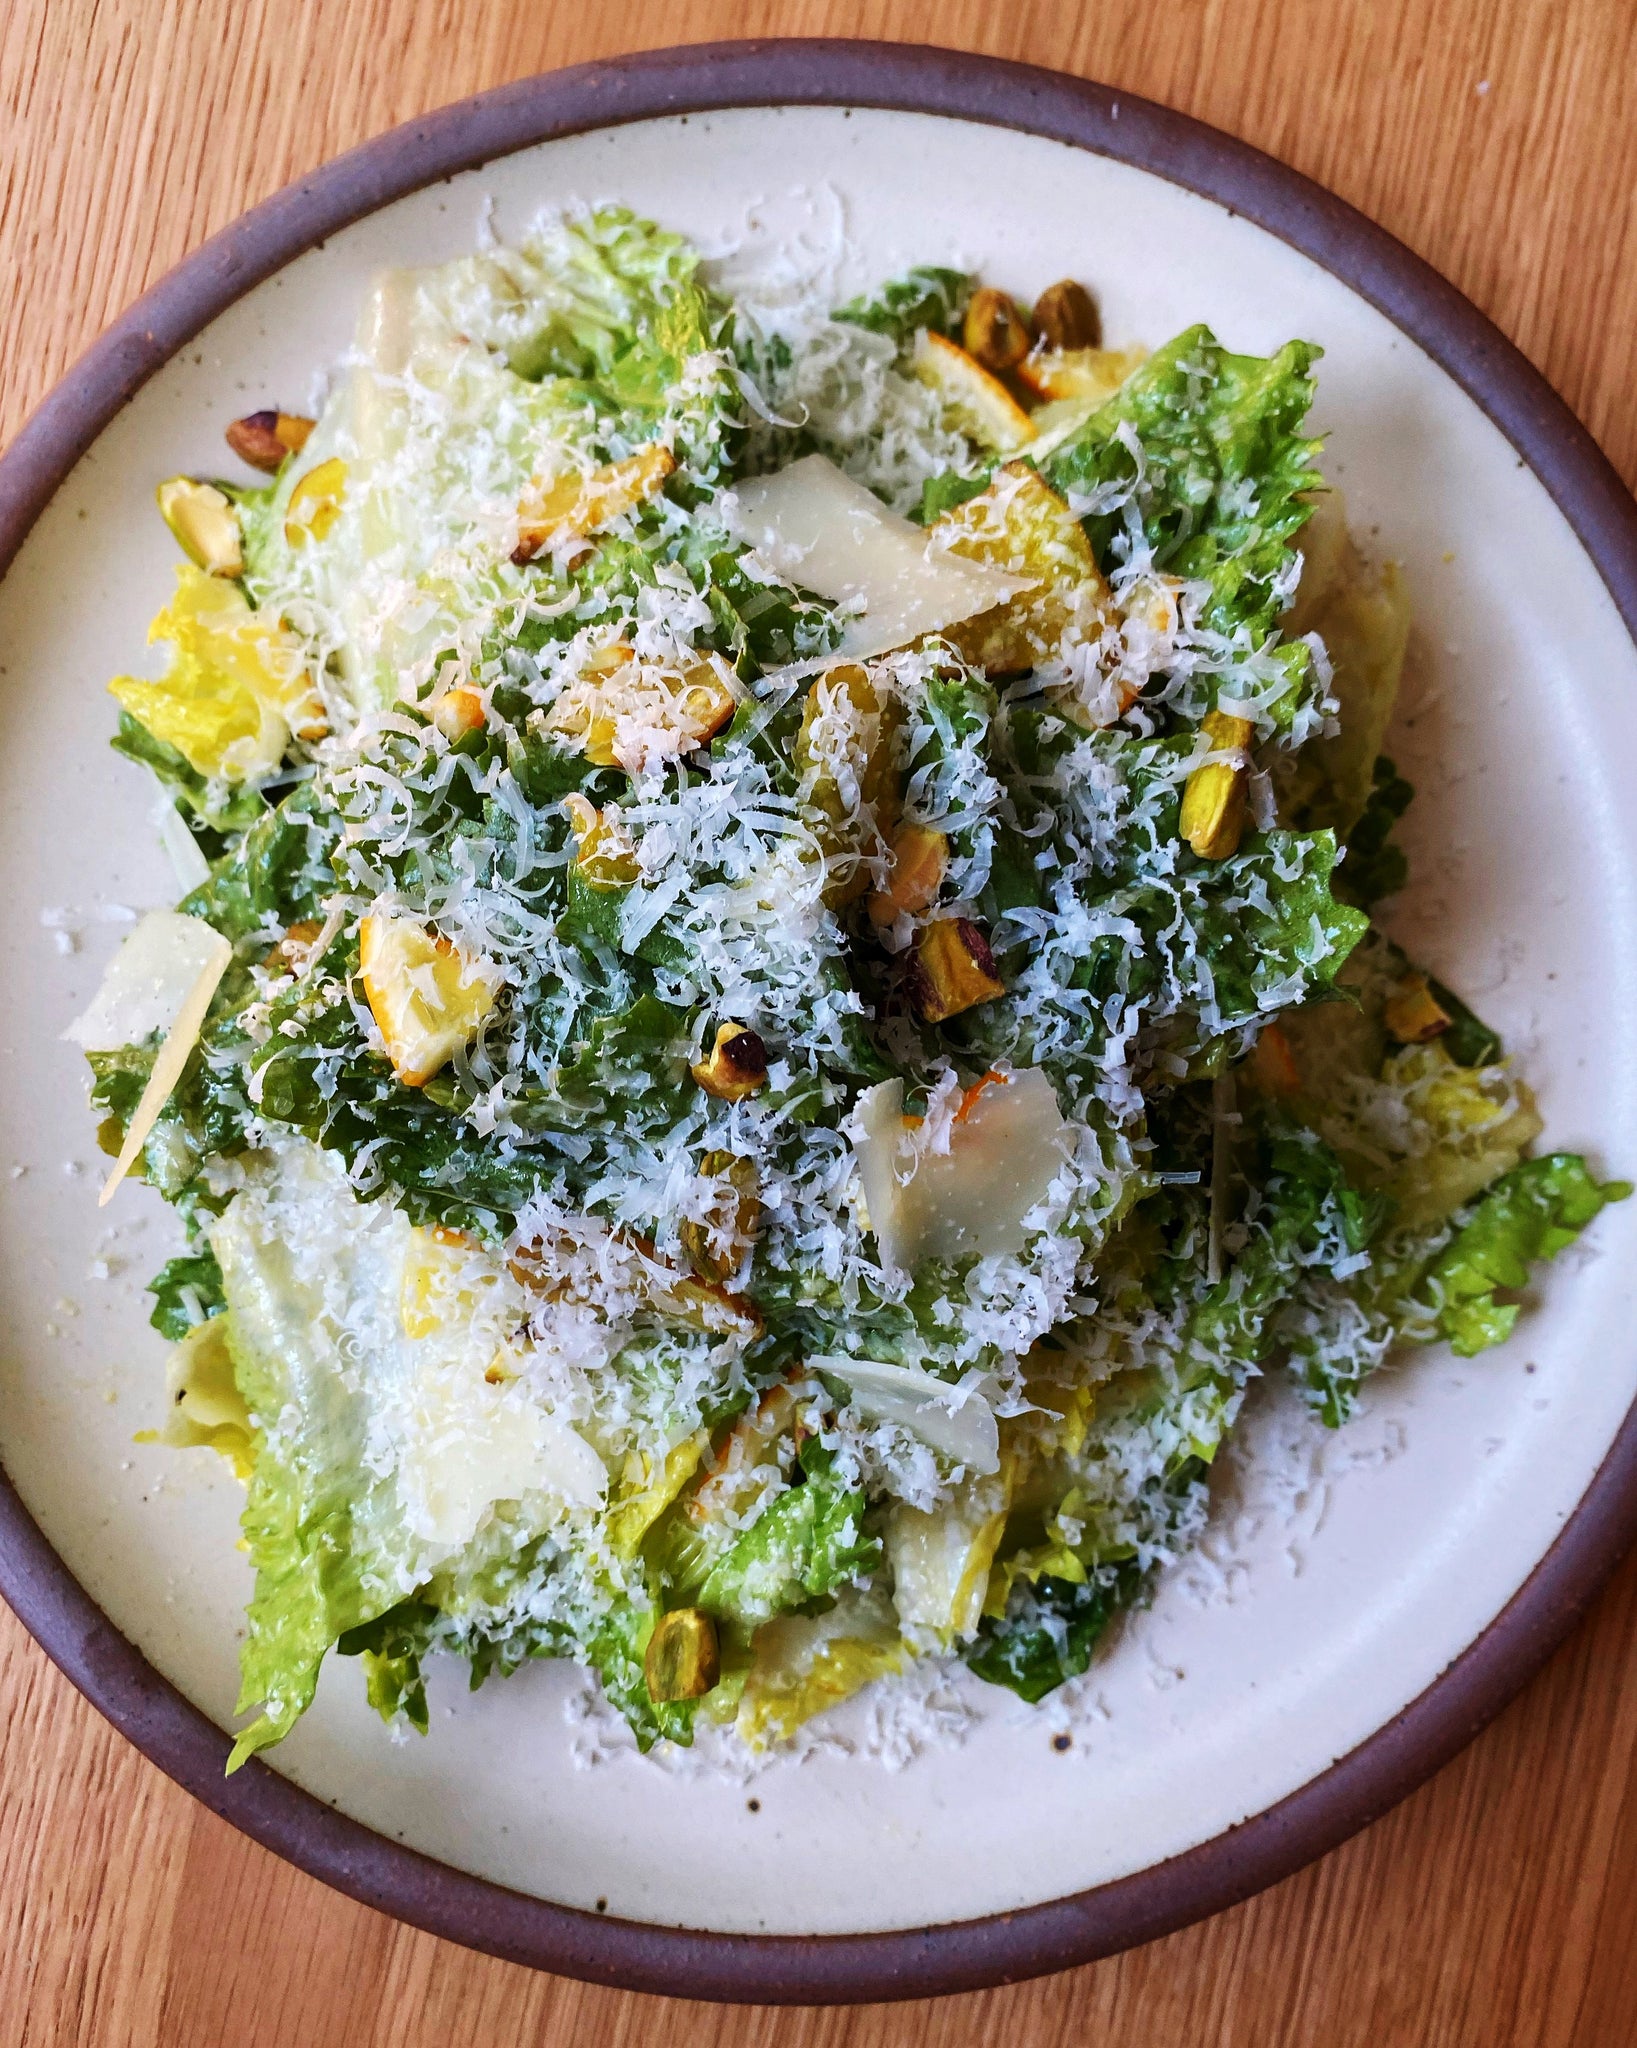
1364,1599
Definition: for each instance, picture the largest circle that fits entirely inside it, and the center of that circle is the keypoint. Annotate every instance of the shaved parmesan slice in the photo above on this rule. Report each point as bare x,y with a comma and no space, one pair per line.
818,528
187,861
146,982
957,1422
1005,1148
469,1444
173,1057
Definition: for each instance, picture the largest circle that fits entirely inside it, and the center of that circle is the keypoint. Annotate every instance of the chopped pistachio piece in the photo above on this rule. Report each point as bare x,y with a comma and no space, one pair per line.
920,857
459,711
1065,316
952,970
1213,801
204,523
682,1661
994,331
266,439
715,1248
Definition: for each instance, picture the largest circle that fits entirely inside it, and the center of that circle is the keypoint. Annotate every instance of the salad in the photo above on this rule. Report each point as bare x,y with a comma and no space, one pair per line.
776,1004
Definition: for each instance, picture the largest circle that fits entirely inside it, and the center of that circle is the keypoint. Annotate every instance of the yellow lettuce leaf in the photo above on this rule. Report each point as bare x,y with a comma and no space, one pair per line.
236,687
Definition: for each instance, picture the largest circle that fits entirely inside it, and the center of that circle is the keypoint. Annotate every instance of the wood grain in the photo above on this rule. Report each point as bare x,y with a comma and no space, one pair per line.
1498,1908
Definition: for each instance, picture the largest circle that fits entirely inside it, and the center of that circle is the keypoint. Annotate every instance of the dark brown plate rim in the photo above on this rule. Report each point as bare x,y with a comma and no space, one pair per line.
1357,1787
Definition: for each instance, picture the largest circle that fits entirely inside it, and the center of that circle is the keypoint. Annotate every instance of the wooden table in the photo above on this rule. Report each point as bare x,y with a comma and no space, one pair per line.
1497,1908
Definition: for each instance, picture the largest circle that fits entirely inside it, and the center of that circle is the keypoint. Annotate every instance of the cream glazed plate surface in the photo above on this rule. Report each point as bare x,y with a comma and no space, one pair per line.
1342,1572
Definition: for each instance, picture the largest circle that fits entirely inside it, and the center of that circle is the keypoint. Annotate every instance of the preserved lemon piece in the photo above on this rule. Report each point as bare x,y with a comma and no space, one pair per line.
1413,1014
604,855
1087,374
626,713
977,402
682,1661
572,507
426,997
315,503
1213,802
1019,524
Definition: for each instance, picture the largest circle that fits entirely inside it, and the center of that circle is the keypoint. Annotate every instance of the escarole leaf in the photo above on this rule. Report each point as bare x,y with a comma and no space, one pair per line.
1529,1214
382,1454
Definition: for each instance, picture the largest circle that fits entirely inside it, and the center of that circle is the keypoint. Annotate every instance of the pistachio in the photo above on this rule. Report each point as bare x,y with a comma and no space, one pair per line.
1413,1014
569,508
315,503
205,523
920,856
737,1065
682,1661
1019,524
459,711
953,970
1065,316
994,331
714,1249
1213,801
265,439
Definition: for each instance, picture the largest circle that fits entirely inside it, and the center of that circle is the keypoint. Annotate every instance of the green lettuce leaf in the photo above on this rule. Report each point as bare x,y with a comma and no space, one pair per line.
926,296
1375,865
803,1547
1051,1630
214,810
1225,464
186,1290
1224,475
1530,1214
392,1646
